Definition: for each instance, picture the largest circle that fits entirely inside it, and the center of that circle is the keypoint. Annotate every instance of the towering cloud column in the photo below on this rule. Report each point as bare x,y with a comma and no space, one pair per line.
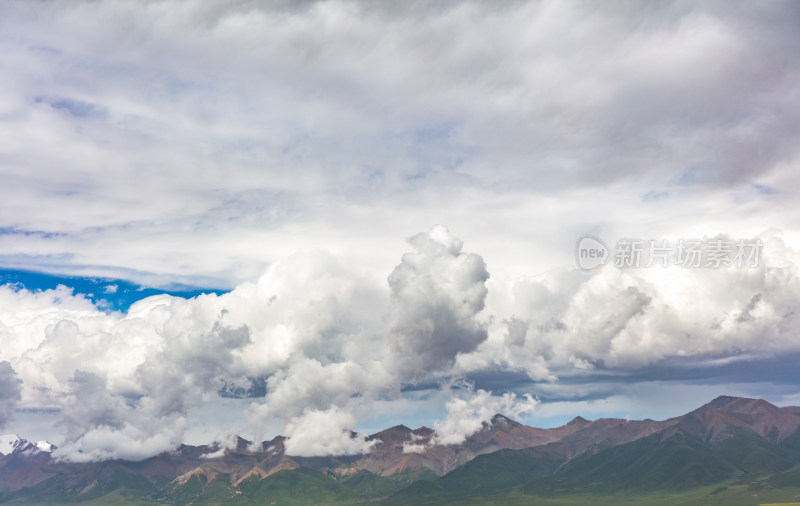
436,293
9,392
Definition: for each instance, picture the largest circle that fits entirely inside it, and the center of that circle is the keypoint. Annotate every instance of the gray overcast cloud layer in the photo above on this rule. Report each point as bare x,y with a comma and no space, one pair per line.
210,142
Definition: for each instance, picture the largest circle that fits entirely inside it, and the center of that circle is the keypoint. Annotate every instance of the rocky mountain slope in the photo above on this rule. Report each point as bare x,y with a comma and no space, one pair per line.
720,440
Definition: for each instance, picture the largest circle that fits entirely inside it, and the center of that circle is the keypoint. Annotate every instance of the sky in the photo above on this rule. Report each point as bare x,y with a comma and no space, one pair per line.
311,218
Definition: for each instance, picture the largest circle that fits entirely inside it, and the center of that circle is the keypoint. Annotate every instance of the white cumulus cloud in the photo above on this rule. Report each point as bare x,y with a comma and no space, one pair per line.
471,410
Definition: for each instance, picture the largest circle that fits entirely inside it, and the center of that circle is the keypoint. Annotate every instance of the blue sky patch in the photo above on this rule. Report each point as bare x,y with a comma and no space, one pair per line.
763,189
107,293
76,108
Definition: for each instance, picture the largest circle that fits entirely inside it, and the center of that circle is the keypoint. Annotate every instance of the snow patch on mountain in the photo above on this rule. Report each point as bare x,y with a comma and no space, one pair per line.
10,443
45,446
14,444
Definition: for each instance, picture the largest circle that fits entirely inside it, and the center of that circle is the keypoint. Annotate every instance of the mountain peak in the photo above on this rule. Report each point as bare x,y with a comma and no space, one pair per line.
712,421
14,444
396,434
729,404
578,420
45,446
499,419
9,443
725,400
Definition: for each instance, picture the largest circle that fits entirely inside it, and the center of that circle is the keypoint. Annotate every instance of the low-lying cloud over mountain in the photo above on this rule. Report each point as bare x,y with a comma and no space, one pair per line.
331,343
751,441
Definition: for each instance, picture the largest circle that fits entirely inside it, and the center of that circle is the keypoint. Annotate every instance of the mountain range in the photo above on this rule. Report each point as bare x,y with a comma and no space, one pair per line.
730,451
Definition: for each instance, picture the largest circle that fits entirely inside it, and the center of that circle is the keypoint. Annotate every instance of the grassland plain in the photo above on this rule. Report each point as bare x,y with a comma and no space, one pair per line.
731,494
